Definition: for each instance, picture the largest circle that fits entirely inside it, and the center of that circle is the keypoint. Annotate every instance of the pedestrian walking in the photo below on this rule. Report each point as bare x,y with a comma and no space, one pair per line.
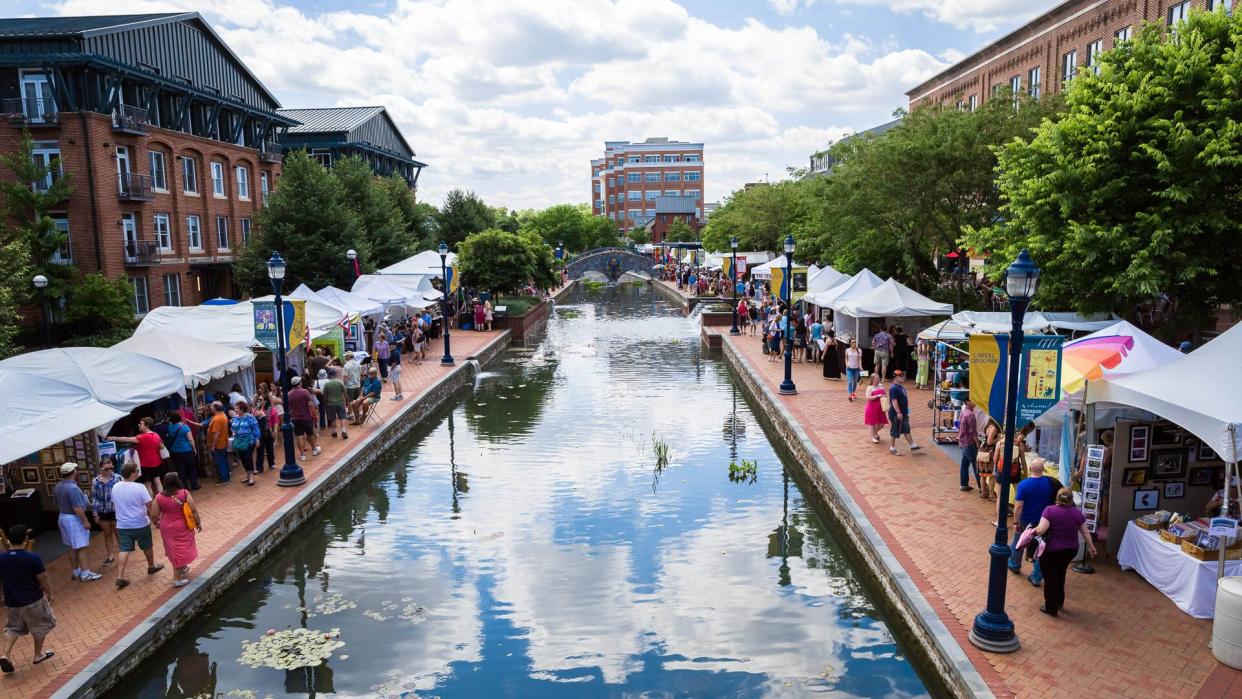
882,343
816,346
394,375
218,441
178,530
382,353
901,350
899,414
985,459
181,447
352,377
1031,497
333,395
923,378
130,499
873,416
75,528
151,452
1061,525
246,435
302,415
27,597
968,442
853,367
265,450
832,364
102,510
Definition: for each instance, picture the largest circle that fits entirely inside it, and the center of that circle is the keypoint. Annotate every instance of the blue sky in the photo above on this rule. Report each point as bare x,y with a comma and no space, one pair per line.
512,99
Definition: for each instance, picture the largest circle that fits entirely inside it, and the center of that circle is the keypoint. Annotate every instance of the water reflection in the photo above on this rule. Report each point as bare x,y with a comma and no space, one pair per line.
556,567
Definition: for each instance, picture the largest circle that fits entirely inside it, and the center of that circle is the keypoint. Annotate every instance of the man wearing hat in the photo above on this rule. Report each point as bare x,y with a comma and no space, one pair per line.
298,403
75,529
899,413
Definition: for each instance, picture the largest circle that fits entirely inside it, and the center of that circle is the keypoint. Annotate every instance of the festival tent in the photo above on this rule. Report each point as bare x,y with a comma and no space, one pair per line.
1198,392
862,282
385,291
892,299
116,378
764,271
200,361
1034,321
715,260
349,302
1076,322
946,331
231,325
425,262
824,279
40,410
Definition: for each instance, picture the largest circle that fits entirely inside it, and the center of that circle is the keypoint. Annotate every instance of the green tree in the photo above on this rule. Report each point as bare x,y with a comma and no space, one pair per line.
463,214
506,219
498,261
1135,192
760,217
309,221
377,202
571,224
100,310
638,236
680,232
543,271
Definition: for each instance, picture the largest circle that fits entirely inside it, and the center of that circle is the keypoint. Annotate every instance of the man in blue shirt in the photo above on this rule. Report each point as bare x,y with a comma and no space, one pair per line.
899,414
1032,495
371,388
817,334
27,597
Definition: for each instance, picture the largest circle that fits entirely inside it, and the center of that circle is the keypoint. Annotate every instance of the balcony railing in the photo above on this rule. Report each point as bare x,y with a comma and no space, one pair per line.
269,152
129,119
135,187
30,112
140,253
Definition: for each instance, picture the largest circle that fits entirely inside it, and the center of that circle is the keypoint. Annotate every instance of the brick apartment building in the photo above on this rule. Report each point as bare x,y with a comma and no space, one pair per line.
626,182
171,142
1044,54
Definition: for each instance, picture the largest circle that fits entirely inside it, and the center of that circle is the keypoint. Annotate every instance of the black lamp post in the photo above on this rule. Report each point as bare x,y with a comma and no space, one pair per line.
352,256
291,473
993,630
560,250
40,284
447,359
787,386
733,282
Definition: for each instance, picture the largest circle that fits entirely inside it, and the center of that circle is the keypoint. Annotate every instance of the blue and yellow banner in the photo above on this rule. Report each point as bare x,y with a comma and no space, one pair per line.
265,323
1039,382
726,266
453,281
798,279
989,366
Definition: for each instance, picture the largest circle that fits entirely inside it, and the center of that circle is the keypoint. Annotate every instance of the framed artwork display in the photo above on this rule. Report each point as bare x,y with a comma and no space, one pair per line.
1166,435
1134,476
1168,464
50,474
1174,489
1206,454
30,475
50,489
1140,441
1201,476
1148,499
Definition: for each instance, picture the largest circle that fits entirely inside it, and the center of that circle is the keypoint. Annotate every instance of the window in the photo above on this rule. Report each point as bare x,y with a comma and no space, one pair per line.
692,193
693,176
217,179
634,177
46,155
245,228
194,232
612,199
163,232
651,158
1015,88
672,158
633,214
63,255
38,100
633,159
189,175
672,193
692,158
649,213
172,289
959,105
1069,66
141,304
1121,35
222,233
1032,82
672,177
652,194
651,177
243,182
1094,49
1214,5
323,156
973,104
264,186
159,176
611,182
1178,12
634,195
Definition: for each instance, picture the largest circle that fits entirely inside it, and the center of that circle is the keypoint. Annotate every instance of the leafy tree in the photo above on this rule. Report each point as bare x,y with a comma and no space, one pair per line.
571,224
310,222
506,219
680,232
1135,192
638,236
601,233
498,261
100,310
759,217
462,215
377,202
544,268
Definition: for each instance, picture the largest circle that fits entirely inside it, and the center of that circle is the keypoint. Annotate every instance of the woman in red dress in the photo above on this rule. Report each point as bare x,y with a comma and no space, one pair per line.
874,415
179,540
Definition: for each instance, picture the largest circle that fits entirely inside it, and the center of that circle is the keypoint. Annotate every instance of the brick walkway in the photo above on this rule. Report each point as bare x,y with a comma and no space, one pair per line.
1119,635
92,617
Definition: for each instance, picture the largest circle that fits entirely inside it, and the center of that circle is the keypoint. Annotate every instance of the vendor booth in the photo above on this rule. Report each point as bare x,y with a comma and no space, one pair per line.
862,282
426,262
764,271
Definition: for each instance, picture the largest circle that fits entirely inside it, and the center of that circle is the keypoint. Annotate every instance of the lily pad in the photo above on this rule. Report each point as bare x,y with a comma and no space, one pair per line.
291,649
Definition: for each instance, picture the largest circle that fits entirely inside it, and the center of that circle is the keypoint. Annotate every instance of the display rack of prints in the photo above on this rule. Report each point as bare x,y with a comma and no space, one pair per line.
1091,484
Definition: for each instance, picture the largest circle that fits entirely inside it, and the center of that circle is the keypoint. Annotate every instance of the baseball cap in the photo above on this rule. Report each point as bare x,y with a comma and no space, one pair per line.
295,380
67,468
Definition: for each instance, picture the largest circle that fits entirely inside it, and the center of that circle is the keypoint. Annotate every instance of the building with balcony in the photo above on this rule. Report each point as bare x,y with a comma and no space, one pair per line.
172,143
626,182
330,133
1043,55
822,162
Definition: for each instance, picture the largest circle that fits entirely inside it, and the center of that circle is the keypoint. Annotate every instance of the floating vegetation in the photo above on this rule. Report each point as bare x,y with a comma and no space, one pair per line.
745,472
593,285
406,609
290,649
661,450
568,312
329,605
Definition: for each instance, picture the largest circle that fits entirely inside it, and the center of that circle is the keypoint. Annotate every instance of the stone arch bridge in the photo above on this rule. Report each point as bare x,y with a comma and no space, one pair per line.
610,262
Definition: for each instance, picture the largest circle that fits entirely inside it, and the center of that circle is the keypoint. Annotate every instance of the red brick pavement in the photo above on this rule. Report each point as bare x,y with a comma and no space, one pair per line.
1119,636
92,617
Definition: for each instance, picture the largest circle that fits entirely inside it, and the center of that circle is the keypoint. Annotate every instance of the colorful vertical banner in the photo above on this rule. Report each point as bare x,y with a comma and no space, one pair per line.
741,266
726,266
777,282
1040,385
296,331
989,366
453,282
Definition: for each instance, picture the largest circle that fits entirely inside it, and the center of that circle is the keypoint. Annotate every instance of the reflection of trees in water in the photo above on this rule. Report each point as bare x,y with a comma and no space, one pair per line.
507,406
822,553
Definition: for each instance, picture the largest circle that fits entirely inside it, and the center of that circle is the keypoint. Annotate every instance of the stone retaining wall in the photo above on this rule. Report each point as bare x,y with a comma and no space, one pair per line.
109,668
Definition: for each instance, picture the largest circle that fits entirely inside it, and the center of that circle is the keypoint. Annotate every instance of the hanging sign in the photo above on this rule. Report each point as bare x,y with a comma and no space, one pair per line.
1039,387
989,364
265,323
798,277
726,266
453,279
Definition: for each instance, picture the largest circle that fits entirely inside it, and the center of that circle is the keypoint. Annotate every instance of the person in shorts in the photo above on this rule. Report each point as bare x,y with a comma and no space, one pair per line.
131,502
75,528
101,507
302,415
27,597
899,414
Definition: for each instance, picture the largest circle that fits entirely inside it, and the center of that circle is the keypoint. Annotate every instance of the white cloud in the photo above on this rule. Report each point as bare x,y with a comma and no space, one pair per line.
513,99
978,15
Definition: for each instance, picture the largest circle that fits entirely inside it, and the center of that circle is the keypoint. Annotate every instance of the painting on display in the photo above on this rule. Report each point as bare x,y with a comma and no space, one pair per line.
1168,464
1140,440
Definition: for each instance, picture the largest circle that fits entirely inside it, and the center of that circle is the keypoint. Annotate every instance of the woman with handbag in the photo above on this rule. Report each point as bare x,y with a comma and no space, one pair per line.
877,407
151,453
245,436
1062,525
986,459
176,516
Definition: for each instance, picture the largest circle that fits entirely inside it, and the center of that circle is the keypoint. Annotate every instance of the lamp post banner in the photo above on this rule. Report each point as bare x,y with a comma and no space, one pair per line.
453,279
1040,386
798,275
989,365
726,266
265,323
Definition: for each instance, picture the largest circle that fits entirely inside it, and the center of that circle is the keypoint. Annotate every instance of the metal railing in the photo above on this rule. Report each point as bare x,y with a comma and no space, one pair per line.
269,152
141,252
35,110
135,187
129,119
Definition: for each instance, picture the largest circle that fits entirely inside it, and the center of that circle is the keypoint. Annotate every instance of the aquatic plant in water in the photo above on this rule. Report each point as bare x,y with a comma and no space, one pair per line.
290,649
745,472
661,449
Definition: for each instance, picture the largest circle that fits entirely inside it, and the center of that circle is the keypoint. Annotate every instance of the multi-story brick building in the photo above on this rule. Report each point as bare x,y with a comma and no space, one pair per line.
1047,52
627,180
171,142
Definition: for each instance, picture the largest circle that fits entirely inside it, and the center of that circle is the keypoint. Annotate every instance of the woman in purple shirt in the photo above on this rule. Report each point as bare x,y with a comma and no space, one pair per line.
1060,525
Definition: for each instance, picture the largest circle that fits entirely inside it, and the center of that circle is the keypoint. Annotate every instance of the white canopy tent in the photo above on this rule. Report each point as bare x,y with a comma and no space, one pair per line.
200,361
1076,322
824,279
117,378
892,299
426,262
385,291
40,410
1199,392
1034,321
715,260
231,325
349,302
862,282
764,271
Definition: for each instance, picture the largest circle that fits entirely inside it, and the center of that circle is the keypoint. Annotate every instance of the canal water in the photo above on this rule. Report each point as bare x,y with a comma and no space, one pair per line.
527,542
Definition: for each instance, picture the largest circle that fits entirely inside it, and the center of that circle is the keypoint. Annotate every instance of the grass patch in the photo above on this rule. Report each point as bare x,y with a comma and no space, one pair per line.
594,284
518,305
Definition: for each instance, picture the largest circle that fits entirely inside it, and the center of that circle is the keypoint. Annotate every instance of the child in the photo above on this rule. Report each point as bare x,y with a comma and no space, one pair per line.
394,377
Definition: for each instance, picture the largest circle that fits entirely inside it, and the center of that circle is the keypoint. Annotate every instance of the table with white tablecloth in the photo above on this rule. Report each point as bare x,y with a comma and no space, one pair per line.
1189,582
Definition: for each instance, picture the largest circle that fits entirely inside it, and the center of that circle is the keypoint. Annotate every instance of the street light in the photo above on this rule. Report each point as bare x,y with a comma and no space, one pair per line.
787,386
993,630
733,282
352,256
291,473
447,359
40,283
